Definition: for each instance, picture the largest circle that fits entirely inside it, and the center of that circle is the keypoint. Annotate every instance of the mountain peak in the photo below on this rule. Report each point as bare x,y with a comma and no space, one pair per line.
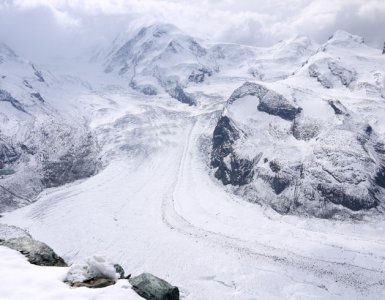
341,37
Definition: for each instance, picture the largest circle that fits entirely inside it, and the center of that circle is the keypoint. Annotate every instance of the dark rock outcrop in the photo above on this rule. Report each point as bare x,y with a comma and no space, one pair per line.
7,97
200,75
179,94
77,164
225,134
338,195
231,169
8,153
380,177
329,72
338,108
305,129
119,269
38,97
36,252
151,287
269,101
276,105
340,172
38,74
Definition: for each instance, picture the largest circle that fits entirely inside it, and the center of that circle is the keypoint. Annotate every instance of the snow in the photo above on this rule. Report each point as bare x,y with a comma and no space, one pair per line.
22,280
156,207
91,267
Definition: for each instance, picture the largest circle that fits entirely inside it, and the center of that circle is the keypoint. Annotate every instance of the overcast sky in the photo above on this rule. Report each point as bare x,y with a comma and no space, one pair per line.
40,28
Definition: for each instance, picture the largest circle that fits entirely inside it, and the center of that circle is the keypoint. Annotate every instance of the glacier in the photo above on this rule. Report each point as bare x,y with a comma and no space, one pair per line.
234,172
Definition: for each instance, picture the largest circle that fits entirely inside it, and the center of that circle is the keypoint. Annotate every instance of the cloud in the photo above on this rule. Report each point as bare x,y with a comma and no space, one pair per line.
37,28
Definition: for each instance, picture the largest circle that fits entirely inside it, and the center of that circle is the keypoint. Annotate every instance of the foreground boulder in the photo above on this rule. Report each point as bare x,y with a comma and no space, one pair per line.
153,288
94,272
37,252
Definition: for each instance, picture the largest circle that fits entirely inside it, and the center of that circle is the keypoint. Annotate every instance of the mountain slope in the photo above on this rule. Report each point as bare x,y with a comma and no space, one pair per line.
161,57
42,143
313,143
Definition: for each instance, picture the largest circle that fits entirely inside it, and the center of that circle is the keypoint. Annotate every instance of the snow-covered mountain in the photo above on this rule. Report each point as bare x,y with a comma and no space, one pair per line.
314,142
44,142
252,192
161,57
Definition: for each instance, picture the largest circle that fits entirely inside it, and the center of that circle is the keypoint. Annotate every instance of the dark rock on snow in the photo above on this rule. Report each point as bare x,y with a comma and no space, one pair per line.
179,94
119,269
95,283
153,288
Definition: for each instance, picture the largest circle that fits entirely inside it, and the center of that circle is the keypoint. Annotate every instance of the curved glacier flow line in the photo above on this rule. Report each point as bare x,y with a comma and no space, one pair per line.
350,274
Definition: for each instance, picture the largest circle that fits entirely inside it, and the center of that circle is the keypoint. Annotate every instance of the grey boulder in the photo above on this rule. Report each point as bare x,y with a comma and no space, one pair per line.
153,288
37,252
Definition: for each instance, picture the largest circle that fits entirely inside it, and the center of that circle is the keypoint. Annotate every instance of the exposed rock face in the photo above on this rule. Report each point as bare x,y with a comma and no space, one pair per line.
8,153
317,169
330,73
119,270
338,108
179,94
269,101
153,288
198,76
305,128
47,158
37,252
276,105
383,50
78,163
231,169
6,96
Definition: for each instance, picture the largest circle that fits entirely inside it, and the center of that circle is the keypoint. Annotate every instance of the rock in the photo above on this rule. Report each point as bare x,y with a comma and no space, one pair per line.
305,128
38,97
119,269
200,75
93,268
78,163
95,283
8,153
231,169
338,108
225,134
276,105
7,97
179,94
330,72
383,50
37,252
153,288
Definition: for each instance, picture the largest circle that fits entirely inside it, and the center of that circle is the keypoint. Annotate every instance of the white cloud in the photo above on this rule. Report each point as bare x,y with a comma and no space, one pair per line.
53,24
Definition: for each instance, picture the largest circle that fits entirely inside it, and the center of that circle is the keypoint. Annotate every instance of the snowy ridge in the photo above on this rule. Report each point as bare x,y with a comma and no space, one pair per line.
314,152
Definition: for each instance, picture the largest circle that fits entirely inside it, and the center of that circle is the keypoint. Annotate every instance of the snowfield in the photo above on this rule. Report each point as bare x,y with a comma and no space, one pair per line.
155,204
156,208
22,280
